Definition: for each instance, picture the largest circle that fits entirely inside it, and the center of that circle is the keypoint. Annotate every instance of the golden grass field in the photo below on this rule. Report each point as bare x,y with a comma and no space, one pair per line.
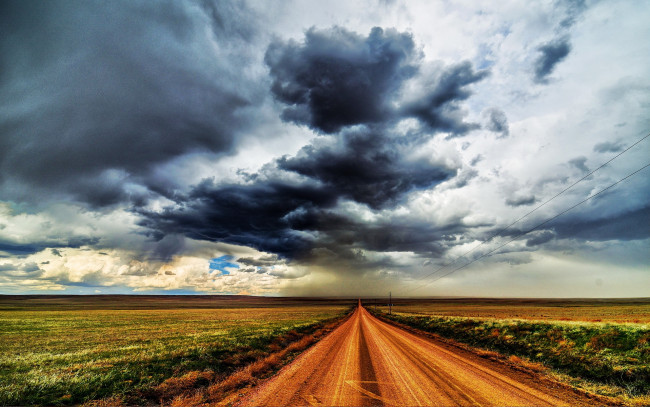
588,310
67,350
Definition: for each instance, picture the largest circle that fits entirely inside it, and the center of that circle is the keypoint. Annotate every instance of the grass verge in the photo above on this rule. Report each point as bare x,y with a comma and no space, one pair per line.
190,391
610,359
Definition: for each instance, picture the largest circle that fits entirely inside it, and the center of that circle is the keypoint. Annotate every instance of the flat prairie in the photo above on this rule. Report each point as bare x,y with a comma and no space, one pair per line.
58,350
624,310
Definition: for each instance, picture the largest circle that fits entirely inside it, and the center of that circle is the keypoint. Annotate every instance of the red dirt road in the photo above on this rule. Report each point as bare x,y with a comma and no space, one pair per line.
368,362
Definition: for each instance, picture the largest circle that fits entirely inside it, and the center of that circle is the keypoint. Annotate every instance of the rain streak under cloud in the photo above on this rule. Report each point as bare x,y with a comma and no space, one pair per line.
315,149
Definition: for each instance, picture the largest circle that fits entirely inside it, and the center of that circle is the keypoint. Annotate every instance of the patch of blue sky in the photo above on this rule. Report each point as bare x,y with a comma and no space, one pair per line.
222,264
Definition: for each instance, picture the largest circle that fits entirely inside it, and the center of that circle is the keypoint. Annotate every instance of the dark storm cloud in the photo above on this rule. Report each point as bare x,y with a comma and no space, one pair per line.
289,221
167,247
540,238
365,166
629,225
258,216
94,94
19,249
584,225
337,78
439,107
394,236
551,53
332,81
294,222
292,218
497,121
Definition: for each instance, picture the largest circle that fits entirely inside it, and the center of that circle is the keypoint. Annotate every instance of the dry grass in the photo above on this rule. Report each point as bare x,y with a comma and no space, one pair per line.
116,401
174,386
635,311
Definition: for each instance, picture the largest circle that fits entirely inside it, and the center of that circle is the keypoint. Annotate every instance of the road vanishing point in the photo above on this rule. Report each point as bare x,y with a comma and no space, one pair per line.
369,362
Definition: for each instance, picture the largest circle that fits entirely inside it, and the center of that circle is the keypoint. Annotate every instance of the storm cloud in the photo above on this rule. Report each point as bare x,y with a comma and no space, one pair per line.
258,216
550,54
367,167
337,78
627,225
17,248
92,99
438,105
290,209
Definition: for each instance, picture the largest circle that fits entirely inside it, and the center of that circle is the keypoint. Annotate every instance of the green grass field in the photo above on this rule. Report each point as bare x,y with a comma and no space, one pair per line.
582,342
58,352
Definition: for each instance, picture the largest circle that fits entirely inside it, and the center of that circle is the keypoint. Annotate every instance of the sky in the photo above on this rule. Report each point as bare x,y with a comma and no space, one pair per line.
353,148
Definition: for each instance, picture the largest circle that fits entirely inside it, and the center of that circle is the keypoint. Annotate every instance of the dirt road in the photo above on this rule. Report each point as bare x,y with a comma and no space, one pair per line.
368,362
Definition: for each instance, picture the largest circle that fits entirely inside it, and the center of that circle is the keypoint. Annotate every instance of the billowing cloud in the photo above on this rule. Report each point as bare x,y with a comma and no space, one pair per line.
290,209
366,166
437,102
338,78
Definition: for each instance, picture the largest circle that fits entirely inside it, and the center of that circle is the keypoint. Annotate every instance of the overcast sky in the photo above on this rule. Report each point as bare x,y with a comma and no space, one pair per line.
325,147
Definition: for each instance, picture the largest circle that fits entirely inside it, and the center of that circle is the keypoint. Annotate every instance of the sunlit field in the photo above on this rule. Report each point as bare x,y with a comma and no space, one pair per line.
65,352
602,345
611,310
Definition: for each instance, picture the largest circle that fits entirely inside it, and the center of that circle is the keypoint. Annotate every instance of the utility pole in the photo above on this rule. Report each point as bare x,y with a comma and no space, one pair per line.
390,303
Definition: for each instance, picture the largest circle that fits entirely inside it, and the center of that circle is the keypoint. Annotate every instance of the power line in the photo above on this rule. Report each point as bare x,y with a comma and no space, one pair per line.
537,226
536,208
